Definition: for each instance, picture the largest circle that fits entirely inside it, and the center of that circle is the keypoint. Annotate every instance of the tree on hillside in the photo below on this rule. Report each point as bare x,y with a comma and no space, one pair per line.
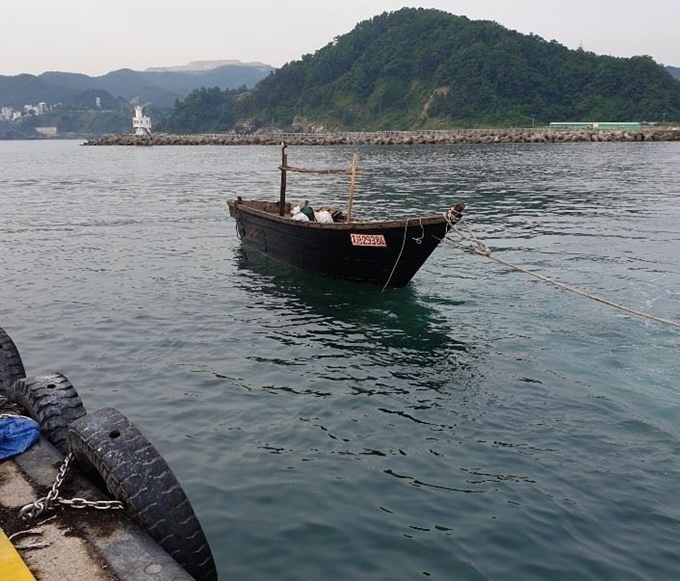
420,67
203,111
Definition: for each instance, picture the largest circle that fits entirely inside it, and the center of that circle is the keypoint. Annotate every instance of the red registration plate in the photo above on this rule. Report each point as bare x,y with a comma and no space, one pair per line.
368,240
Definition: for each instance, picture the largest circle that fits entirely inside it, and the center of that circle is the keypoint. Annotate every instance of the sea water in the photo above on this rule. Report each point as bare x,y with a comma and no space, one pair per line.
477,424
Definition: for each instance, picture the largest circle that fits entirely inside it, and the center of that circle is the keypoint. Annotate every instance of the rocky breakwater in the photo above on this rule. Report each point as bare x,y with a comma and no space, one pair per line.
453,136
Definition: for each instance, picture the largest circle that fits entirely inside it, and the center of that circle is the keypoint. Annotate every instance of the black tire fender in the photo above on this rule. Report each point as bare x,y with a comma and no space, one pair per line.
11,366
52,401
107,443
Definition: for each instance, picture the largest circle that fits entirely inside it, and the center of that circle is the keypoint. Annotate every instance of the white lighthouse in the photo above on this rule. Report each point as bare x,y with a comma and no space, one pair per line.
140,122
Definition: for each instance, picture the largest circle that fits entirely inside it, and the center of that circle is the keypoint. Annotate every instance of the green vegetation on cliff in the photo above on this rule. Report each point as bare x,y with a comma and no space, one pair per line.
424,68
203,111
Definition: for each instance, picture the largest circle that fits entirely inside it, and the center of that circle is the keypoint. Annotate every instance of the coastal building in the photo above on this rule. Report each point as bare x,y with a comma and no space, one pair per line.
595,125
46,131
141,123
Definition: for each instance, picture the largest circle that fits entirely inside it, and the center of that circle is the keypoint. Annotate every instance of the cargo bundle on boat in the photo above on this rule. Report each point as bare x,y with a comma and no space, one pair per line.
386,253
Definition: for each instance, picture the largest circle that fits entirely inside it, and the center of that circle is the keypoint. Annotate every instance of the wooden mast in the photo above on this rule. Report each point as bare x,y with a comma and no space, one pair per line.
351,188
284,165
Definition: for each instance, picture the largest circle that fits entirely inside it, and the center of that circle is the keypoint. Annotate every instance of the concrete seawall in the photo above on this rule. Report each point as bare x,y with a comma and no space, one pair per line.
454,136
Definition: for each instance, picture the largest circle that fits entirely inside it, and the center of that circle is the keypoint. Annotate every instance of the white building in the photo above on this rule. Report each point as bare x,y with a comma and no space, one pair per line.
39,109
140,122
46,131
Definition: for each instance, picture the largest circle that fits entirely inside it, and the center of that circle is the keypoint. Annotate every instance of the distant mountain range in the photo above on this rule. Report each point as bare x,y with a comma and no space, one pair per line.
159,86
202,66
408,69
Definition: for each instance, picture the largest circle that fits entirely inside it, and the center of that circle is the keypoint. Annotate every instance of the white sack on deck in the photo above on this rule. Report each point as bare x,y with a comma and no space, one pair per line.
323,216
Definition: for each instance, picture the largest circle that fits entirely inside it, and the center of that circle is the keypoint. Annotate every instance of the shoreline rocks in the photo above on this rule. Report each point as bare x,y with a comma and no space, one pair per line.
424,137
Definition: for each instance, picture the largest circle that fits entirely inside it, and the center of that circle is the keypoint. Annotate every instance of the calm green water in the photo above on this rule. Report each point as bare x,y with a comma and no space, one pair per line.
478,424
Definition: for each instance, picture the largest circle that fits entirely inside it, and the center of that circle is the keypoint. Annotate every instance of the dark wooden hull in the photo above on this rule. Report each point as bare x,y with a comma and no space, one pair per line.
380,253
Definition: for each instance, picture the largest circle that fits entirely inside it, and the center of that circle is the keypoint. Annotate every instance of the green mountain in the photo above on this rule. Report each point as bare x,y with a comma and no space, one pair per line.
417,68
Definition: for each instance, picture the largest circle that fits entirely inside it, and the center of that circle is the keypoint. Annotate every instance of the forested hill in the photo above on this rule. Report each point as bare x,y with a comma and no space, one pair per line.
427,68
674,71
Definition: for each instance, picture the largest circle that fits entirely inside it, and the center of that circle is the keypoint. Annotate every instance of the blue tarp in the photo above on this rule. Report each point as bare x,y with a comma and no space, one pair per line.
17,433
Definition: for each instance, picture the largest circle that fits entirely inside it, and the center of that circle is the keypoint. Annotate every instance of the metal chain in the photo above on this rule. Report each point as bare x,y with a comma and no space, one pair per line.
96,504
39,506
36,508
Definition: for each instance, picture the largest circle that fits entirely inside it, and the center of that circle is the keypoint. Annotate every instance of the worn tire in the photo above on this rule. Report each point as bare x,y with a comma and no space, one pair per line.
11,366
52,401
107,443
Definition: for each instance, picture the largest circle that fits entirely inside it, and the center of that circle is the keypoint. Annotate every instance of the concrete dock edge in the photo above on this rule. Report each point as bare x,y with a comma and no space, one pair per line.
114,546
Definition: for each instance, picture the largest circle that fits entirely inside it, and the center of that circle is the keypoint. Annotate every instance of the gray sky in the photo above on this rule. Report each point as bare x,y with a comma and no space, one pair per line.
95,38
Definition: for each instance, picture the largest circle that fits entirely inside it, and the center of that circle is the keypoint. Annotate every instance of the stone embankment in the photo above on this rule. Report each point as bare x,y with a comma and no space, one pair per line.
519,135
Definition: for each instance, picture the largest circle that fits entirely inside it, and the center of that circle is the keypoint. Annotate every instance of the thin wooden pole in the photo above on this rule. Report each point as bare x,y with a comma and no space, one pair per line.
352,182
282,196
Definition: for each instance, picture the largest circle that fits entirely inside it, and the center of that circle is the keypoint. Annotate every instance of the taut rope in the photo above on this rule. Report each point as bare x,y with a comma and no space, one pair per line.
480,248
317,171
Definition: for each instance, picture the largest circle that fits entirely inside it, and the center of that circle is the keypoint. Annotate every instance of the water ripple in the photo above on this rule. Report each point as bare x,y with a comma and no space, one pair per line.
476,424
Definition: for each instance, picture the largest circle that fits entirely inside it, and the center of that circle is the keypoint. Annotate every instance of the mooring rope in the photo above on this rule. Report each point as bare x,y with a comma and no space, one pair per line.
417,240
481,249
403,243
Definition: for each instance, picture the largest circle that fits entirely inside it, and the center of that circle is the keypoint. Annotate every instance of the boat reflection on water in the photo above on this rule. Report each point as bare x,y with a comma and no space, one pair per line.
377,342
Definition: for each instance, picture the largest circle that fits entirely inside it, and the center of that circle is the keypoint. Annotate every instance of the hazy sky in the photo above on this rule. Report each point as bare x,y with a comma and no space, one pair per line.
95,38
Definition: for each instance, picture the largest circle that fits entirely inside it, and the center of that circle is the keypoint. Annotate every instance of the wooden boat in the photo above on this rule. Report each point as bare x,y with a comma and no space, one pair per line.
386,253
